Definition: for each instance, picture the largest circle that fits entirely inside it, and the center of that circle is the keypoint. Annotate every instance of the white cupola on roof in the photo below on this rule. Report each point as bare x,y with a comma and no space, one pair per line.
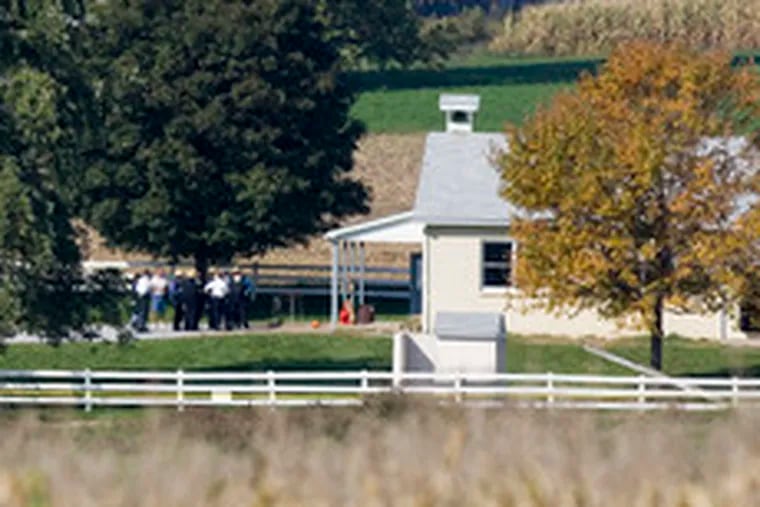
460,111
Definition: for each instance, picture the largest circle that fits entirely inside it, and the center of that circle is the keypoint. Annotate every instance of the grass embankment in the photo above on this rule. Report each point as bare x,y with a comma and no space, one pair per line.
308,352
403,101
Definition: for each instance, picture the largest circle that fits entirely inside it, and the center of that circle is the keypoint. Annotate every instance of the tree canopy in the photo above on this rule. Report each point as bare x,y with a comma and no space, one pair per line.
378,33
45,113
228,128
636,190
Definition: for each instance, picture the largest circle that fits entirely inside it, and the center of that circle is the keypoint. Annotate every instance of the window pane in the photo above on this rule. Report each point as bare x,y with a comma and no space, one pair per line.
496,264
495,277
497,252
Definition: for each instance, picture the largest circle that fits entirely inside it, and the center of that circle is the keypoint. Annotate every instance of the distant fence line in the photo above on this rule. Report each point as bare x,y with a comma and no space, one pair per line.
181,389
293,280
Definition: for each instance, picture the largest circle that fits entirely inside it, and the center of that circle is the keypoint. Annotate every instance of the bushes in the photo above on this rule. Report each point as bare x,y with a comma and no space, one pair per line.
451,34
596,26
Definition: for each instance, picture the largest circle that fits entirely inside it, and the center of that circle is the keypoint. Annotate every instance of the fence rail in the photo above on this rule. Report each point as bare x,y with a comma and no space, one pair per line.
180,389
297,280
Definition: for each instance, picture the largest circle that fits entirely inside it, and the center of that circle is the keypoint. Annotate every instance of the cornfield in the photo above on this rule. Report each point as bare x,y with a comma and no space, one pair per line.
413,456
593,27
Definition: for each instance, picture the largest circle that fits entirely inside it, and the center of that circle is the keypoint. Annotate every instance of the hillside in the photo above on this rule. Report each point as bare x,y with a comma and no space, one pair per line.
404,101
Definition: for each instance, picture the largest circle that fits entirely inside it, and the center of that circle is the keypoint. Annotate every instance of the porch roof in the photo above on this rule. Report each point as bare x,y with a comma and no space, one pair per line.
398,228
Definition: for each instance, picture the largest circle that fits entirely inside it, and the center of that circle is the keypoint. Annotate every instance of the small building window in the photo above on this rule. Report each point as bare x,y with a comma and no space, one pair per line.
460,117
497,264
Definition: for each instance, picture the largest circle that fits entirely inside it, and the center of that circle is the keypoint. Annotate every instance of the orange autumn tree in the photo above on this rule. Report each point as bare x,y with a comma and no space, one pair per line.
637,189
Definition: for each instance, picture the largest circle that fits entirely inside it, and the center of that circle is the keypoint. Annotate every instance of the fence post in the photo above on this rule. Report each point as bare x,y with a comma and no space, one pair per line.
87,390
550,388
458,387
642,389
735,391
272,388
180,392
364,383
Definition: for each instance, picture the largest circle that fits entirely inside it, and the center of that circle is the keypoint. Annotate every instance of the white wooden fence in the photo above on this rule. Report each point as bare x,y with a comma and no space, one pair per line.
181,389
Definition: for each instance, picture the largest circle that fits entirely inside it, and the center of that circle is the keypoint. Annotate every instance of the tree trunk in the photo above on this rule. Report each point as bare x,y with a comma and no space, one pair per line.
657,334
201,266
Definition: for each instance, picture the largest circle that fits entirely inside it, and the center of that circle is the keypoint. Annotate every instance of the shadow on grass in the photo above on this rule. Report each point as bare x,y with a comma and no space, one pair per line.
305,365
511,73
751,371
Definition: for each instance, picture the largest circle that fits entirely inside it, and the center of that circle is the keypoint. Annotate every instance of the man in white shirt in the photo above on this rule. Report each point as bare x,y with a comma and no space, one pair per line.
159,286
142,301
217,289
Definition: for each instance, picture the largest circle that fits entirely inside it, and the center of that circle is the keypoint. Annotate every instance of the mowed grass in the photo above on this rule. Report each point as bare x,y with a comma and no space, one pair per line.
683,357
542,355
307,352
239,353
408,111
404,101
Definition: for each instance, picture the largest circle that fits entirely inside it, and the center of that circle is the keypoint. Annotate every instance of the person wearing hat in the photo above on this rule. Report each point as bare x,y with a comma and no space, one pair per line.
190,297
176,299
217,289
238,295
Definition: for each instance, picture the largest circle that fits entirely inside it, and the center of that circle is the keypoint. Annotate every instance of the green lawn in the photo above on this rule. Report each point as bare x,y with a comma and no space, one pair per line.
402,101
243,353
694,358
344,352
541,355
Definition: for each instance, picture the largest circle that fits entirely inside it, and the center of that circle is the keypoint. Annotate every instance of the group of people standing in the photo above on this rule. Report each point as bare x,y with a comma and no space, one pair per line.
225,298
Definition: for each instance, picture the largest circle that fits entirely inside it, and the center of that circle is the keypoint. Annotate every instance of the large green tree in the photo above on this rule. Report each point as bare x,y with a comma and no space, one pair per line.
46,129
41,53
228,128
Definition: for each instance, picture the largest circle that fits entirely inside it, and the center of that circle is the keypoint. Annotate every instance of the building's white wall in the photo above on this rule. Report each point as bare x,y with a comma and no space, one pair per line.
452,265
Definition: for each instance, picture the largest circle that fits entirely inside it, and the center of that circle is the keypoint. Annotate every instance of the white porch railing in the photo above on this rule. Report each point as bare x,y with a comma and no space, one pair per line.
179,389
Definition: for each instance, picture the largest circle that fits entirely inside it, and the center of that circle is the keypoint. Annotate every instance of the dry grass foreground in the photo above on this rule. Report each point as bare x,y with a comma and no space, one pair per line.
409,457
595,26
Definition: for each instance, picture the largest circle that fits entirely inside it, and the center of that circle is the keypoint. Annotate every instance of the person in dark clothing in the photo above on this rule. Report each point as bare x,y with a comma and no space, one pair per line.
229,305
176,299
190,297
237,301
248,294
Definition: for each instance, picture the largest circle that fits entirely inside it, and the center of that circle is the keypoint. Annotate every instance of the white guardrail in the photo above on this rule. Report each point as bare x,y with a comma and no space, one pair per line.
181,389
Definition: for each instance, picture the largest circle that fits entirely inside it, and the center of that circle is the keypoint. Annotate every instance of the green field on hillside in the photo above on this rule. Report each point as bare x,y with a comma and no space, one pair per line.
305,352
402,101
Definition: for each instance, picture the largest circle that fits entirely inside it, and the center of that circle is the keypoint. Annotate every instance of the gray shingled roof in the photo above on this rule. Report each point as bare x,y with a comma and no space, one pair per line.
458,185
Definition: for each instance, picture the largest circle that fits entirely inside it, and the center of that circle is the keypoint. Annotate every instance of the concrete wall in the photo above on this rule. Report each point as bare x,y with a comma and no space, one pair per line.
425,353
452,282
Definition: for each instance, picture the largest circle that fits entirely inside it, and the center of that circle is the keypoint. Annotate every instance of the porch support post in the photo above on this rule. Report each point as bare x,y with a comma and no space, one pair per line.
352,285
334,284
362,271
343,267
